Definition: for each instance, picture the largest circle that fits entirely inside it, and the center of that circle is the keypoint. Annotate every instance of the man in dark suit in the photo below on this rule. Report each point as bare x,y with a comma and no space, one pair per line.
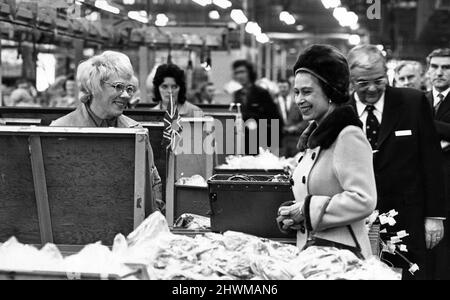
256,104
293,124
407,156
439,99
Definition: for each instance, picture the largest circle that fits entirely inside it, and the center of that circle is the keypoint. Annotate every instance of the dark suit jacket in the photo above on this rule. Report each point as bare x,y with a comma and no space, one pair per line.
294,117
442,123
408,168
257,104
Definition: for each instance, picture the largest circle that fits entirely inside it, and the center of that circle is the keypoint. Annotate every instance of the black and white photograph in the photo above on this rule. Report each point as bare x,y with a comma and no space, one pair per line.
224,147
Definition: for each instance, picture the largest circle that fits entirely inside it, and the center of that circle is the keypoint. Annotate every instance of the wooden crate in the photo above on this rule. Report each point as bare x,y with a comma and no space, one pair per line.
231,132
48,115
191,200
187,165
73,186
138,271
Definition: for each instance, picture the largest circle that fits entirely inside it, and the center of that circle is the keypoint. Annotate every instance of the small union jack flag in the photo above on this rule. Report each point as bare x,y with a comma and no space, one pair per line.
172,125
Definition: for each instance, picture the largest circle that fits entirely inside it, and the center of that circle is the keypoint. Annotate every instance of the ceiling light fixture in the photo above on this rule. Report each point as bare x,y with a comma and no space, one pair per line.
214,15
140,16
238,16
203,2
104,5
331,3
161,20
287,18
223,3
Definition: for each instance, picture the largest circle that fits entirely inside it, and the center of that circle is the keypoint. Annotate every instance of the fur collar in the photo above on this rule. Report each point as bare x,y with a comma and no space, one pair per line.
328,131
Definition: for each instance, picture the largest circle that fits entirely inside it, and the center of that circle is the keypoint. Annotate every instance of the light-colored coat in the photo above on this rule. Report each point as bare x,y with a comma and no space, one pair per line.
341,181
80,118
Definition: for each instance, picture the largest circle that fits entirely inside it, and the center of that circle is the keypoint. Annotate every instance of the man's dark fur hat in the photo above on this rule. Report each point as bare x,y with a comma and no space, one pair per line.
328,65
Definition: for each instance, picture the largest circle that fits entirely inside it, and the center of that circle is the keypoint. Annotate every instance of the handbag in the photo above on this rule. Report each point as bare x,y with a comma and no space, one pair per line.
318,242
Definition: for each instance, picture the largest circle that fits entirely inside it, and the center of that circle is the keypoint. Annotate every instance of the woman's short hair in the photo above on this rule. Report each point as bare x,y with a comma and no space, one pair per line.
172,71
250,69
92,73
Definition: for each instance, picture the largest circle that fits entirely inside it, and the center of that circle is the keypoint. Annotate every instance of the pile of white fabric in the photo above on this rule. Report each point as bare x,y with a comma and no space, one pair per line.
231,256
266,160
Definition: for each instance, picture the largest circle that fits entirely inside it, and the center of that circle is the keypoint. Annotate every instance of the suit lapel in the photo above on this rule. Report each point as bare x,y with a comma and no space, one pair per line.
429,96
391,115
444,108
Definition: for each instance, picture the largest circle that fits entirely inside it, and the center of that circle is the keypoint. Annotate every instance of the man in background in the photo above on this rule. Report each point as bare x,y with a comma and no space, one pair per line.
408,74
293,124
407,157
439,97
24,95
206,94
256,103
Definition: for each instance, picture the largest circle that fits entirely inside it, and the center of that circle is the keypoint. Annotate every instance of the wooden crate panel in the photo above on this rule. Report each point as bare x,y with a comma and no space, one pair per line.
18,212
90,188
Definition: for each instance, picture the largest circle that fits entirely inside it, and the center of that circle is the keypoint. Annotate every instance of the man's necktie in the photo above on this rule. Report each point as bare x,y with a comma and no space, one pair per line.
286,110
372,127
441,99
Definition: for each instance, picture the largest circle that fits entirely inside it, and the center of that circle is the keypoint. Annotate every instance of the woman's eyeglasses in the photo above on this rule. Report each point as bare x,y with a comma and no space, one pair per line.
121,87
366,83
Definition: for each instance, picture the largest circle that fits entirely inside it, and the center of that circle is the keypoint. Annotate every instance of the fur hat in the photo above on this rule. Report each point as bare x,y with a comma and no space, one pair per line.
328,65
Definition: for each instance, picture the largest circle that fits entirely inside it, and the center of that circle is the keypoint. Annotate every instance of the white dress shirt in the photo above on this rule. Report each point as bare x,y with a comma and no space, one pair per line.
378,112
284,112
362,112
436,98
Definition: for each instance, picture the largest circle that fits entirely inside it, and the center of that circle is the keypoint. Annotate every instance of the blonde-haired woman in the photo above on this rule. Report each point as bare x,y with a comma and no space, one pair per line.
106,83
106,87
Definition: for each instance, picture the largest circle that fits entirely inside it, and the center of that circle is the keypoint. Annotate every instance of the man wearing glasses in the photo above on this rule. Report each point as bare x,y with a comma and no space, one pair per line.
407,156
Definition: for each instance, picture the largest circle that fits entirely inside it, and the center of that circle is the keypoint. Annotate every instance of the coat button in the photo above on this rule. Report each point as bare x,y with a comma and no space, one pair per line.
313,156
304,180
300,160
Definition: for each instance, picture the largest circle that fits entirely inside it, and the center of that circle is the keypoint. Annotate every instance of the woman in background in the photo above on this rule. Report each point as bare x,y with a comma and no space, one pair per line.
170,80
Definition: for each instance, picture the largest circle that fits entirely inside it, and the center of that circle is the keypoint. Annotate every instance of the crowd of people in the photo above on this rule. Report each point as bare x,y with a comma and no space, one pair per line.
365,145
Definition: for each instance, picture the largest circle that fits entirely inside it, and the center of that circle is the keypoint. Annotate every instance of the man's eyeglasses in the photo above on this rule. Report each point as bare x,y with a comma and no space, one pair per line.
366,83
120,87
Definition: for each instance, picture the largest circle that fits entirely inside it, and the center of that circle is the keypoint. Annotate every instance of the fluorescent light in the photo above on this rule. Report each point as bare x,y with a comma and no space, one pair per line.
354,39
262,38
287,18
253,28
346,18
140,16
104,5
331,3
95,16
238,16
223,3
129,2
214,15
203,2
161,20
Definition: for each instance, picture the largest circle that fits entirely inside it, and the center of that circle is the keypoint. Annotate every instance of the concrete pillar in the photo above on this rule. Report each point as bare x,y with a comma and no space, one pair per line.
268,60
144,70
